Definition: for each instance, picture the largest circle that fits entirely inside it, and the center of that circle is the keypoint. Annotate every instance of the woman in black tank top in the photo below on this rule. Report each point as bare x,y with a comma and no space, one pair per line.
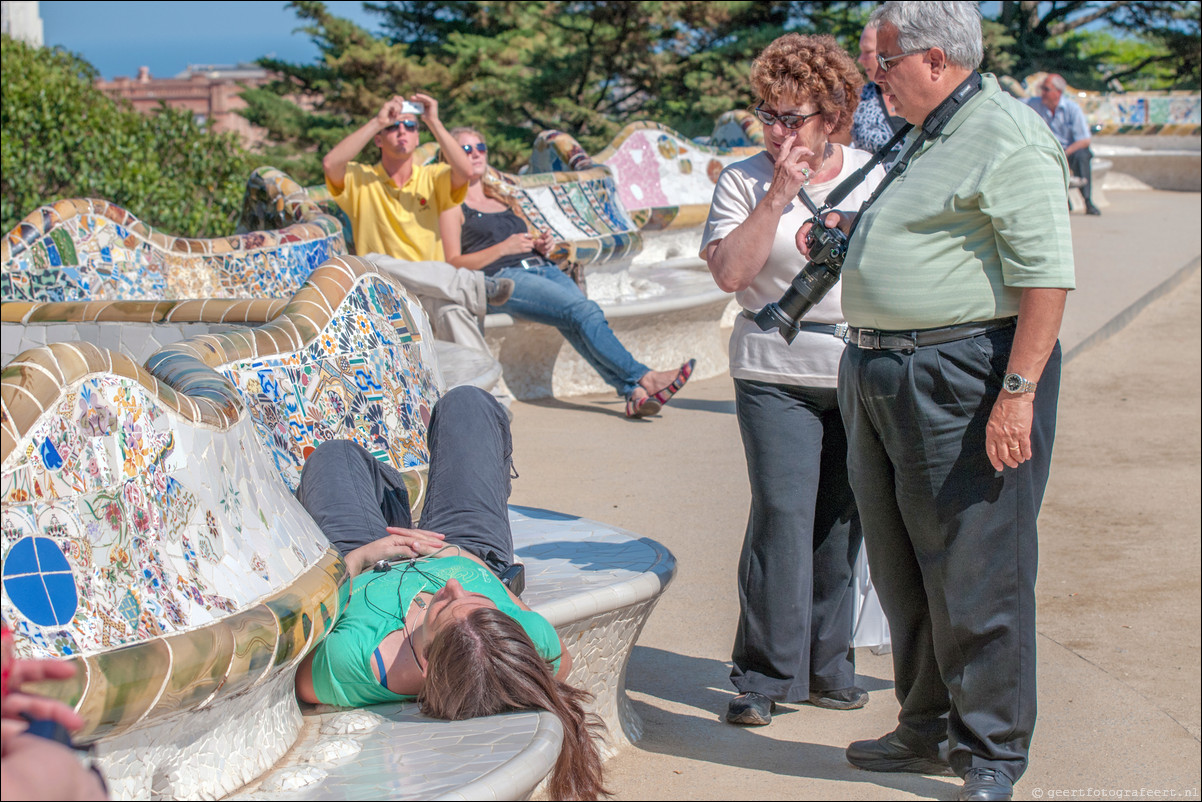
486,234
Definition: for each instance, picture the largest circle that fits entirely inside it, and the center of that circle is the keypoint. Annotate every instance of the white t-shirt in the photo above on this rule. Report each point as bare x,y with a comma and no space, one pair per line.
813,358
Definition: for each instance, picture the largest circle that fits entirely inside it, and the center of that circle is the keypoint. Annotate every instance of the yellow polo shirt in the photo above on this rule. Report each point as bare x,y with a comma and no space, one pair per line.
401,222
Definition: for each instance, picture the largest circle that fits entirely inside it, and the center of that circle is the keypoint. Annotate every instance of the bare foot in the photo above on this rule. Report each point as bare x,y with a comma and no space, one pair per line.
655,380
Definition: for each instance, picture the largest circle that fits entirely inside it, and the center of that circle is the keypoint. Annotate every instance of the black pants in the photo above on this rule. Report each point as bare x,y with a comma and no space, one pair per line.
353,496
795,571
951,542
1079,165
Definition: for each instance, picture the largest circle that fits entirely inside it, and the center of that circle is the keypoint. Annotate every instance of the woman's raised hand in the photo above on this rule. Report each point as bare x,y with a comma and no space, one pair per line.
791,170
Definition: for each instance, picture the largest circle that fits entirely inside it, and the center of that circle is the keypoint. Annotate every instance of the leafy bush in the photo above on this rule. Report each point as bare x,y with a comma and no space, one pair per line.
63,138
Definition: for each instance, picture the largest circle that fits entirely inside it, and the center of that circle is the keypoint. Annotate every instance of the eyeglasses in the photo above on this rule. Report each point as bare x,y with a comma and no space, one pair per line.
790,121
883,62
480,148
409,125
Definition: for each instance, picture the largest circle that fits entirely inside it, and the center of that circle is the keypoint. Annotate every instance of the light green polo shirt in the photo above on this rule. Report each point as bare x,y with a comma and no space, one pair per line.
980,213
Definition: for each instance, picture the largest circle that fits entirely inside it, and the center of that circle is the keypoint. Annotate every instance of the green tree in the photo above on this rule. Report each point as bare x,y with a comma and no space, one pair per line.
514,69
63,138
1048,36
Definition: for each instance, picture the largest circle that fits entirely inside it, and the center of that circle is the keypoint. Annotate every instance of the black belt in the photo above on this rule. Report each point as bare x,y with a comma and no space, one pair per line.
874,340
835,330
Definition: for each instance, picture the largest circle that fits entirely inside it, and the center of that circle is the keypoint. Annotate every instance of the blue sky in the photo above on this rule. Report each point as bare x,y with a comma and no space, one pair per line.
119,37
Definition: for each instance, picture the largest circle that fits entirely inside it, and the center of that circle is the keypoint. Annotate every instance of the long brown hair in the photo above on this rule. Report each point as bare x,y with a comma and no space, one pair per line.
484,664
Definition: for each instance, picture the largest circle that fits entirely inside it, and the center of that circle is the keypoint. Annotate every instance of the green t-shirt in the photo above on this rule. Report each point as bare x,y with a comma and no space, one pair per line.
980,213
342,672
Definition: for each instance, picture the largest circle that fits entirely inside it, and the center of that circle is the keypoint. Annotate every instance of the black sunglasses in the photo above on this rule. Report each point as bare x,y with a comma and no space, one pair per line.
480,148
410,125
790,121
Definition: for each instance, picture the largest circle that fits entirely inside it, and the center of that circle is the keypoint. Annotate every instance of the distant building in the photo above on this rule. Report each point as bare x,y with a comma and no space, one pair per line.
21,19
210,92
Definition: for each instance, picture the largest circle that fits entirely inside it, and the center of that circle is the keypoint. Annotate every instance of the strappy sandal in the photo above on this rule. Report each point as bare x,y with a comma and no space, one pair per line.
682,378
642,407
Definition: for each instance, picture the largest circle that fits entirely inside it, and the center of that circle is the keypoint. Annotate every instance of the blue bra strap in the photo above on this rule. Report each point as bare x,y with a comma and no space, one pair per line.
380,665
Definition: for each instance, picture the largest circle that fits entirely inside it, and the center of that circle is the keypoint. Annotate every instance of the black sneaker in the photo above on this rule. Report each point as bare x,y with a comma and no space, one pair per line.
1091,209
497,290
984,783
752,709
890,753
852,698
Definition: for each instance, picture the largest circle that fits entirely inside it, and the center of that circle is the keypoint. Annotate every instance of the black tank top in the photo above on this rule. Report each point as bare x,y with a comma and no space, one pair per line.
485,229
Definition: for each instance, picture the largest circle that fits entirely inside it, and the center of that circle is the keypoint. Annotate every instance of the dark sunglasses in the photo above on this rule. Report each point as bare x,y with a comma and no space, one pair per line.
480,148
790,121
409,125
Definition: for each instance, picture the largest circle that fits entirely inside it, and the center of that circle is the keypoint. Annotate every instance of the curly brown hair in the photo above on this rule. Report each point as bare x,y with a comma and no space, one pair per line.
797,68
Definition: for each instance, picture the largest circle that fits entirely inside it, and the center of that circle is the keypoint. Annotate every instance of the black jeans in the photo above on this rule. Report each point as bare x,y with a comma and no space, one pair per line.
803,535
353,496
1079,164
951,542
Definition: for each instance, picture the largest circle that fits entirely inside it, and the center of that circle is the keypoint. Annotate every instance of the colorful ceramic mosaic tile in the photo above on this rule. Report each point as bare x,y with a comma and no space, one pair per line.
93,250
123,522
363,379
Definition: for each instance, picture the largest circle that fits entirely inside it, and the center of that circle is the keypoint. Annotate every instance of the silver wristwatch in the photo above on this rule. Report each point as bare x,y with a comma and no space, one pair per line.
1013,383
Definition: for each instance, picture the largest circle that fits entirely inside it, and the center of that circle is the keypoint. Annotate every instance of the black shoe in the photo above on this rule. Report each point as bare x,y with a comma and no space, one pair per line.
986,784
889,753
753,709
851,698
497,290
1091,209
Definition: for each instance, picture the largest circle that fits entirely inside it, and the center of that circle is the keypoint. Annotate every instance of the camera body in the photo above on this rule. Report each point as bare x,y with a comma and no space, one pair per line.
409,107
828,247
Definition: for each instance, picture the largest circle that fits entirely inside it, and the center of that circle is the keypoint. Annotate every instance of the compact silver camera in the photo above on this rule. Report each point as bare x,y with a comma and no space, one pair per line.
409,107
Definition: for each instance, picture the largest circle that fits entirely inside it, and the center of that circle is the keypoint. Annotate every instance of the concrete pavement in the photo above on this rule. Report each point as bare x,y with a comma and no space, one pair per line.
1119,576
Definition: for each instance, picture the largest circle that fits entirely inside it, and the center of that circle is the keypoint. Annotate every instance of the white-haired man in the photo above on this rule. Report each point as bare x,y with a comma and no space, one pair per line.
1070,128
954,286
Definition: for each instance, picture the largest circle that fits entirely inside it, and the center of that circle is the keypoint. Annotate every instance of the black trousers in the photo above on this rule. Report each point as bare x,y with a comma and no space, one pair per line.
951,542
1079,165
803,535
353,496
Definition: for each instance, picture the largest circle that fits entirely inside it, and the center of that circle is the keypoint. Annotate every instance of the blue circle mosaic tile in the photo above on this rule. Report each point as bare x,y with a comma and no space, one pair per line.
38,580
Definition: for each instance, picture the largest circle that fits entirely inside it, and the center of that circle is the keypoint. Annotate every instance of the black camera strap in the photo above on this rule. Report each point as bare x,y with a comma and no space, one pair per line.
932,126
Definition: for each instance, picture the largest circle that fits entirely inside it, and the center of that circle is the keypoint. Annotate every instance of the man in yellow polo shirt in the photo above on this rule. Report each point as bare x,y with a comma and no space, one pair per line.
394,206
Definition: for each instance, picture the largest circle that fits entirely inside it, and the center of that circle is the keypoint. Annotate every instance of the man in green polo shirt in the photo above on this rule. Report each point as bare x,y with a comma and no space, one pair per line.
954,286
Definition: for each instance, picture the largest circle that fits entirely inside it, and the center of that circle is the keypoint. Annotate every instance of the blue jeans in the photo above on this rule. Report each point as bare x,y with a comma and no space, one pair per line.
546,295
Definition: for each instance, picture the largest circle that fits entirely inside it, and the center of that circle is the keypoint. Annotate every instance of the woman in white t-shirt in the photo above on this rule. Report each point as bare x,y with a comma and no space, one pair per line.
793,642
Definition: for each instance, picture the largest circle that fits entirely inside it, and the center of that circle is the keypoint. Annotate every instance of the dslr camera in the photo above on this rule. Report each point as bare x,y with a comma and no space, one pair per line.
827,247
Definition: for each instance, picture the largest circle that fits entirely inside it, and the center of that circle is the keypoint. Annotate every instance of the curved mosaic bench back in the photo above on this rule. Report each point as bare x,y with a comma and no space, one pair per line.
349,357
737,129
663,178
145,535
85,249
580,208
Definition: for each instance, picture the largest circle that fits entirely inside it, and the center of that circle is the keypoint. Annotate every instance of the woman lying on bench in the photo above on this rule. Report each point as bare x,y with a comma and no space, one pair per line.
428,618
486,234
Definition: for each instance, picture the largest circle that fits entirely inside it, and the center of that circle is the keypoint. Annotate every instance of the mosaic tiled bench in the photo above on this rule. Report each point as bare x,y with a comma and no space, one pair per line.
147,534
83,250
